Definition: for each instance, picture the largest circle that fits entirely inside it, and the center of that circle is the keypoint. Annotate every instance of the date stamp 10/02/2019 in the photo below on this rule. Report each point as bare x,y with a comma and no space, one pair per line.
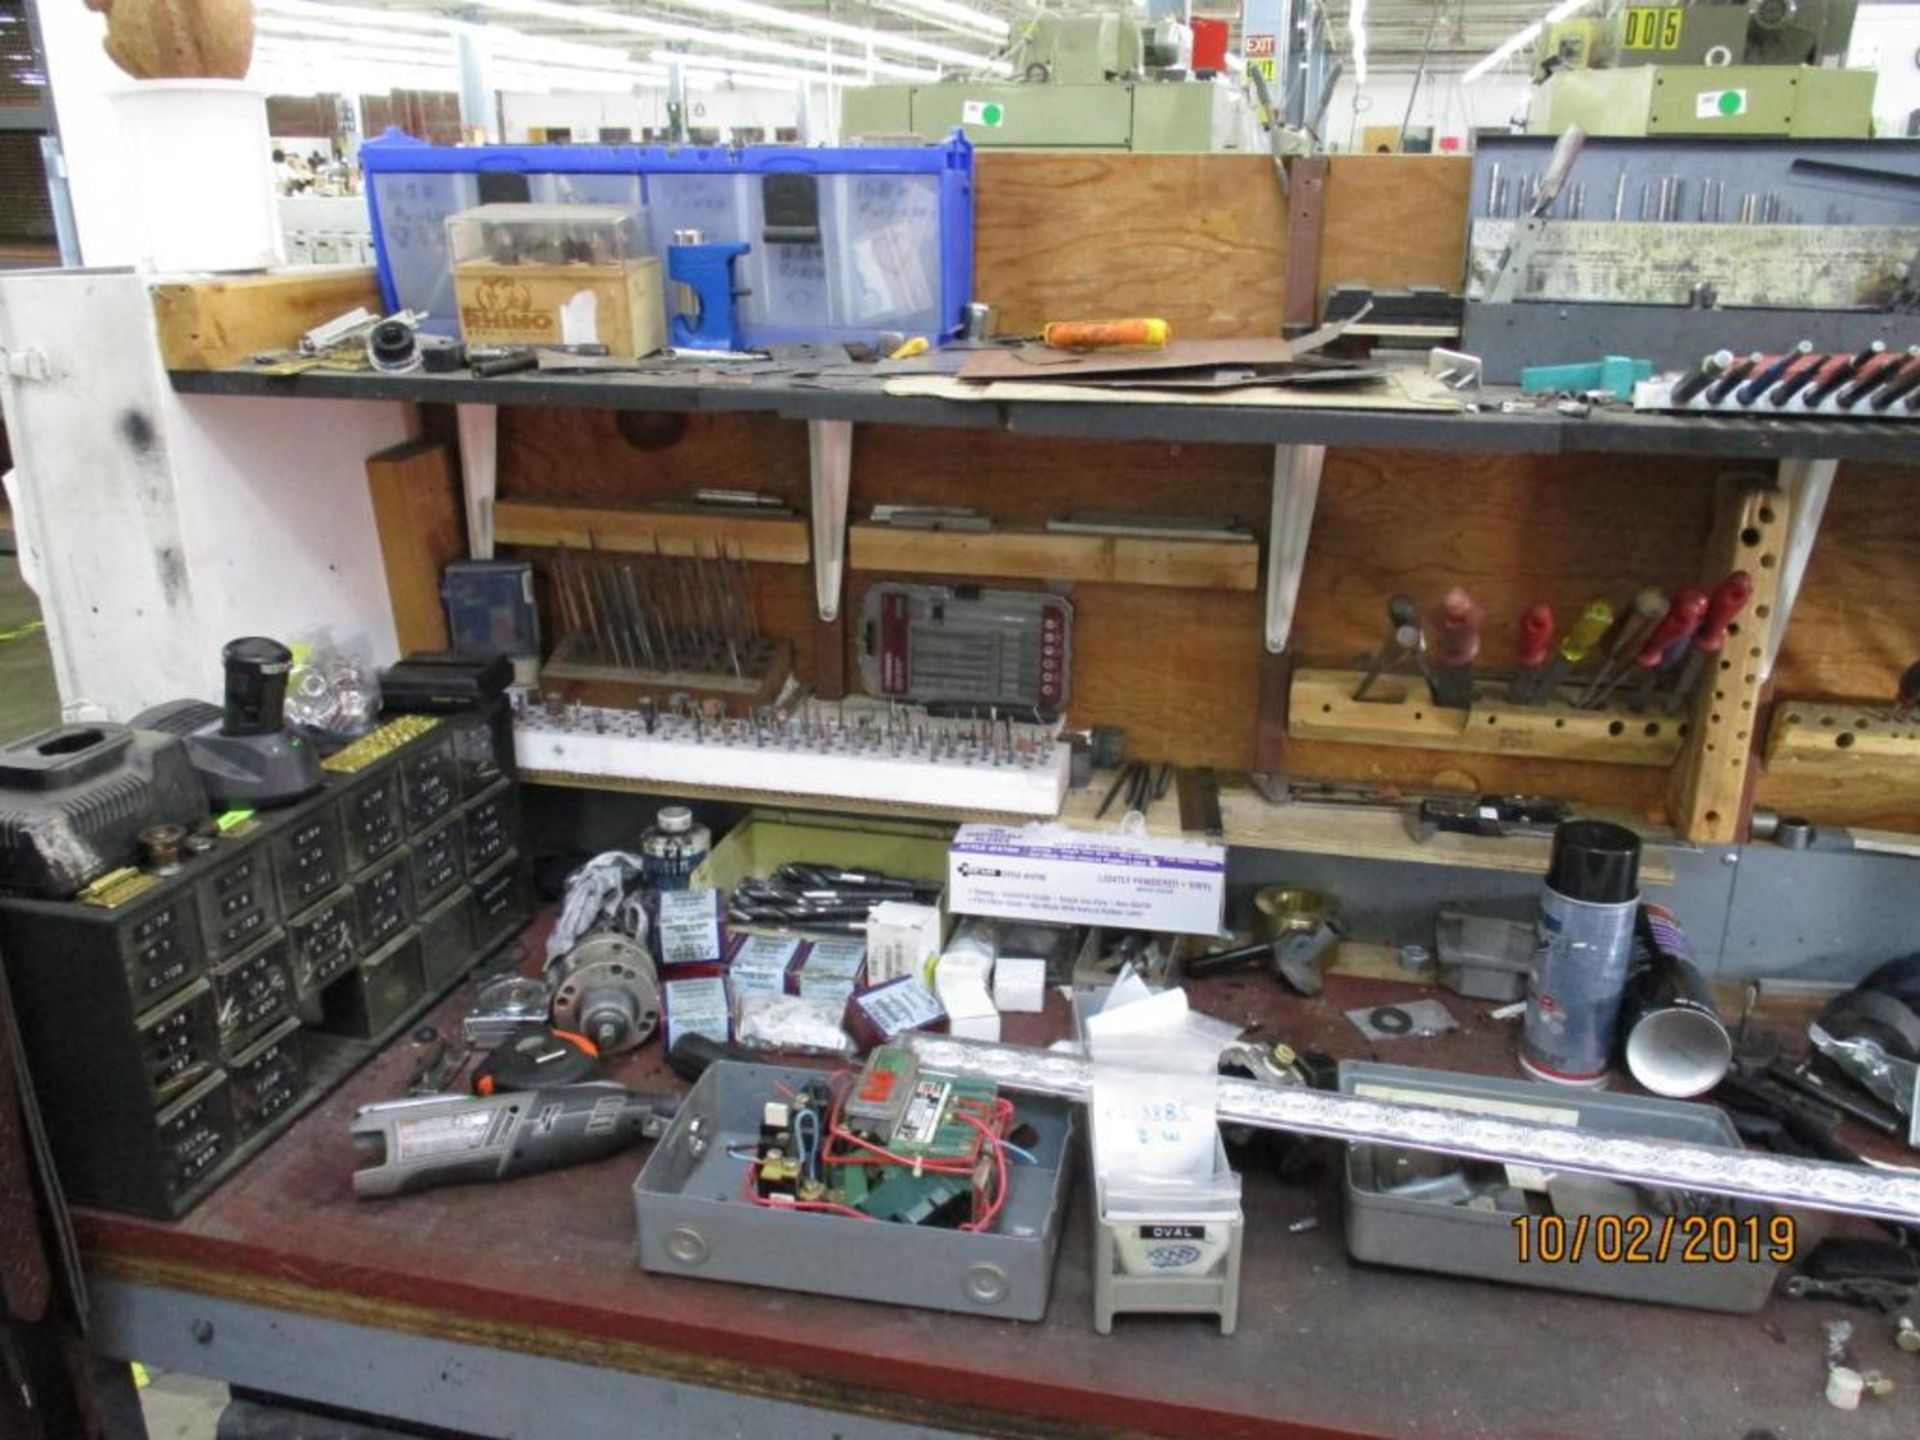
1654,1239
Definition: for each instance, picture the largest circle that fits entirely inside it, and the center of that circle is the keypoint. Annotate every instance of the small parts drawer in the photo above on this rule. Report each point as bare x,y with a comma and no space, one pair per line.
370,815
439,862
383,901
492,823
195,1134
252,992
309,857
430,781
160,948
179,1041
323,942
238,903
372,1000
266,1079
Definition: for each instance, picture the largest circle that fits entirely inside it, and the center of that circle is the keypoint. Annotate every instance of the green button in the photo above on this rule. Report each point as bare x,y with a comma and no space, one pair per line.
1730,102
993,114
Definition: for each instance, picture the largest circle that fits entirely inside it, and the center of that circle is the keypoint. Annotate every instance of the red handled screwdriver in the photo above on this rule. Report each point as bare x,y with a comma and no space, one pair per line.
1455,645
1676,626
1729,598
1530,651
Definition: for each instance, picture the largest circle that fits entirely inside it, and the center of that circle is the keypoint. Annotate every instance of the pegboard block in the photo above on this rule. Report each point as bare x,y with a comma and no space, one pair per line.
1322,707
1857,741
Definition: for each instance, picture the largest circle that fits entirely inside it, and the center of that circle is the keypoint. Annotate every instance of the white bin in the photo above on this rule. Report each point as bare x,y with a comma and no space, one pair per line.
203,166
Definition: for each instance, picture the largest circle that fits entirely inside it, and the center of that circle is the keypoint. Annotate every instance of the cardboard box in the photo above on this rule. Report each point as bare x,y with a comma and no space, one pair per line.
621,305
1048,872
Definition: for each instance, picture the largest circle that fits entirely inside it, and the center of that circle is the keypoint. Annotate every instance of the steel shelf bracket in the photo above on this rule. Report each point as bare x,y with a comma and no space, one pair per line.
1806,484
1296,490
479,430
829,469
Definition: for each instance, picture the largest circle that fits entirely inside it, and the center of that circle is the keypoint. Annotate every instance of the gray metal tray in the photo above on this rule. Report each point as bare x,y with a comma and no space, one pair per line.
694,1221
1452,1239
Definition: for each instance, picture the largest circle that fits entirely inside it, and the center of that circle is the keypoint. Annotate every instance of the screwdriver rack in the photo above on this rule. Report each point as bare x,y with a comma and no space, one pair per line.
1400,711
1845,739
858,751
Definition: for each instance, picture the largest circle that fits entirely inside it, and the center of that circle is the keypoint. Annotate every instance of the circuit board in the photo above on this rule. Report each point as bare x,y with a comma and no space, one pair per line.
891,1144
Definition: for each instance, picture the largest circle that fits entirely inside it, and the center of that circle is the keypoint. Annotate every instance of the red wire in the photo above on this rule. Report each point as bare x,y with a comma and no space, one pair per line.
830,1207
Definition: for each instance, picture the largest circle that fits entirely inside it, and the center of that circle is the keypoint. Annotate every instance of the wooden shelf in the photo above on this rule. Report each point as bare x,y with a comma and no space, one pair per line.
1323,708
1248,820
1036,554
1856,741
776,540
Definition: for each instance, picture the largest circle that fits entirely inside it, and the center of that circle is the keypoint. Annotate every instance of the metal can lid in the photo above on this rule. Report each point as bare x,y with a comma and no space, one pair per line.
1595,862
675,819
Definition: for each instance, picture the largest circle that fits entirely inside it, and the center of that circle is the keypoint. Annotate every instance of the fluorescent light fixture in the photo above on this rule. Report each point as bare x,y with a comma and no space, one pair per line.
355,15
1357,35
962,19
860,35
1520,39
716,64
278,27
584,17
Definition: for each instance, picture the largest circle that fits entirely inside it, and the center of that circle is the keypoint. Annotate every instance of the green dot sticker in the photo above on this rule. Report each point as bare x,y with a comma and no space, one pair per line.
990,113
1719,104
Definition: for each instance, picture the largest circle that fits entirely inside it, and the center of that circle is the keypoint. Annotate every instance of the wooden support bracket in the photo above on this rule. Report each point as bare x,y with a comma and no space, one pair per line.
1323,708
779,541
1296,491
830,470
1710,795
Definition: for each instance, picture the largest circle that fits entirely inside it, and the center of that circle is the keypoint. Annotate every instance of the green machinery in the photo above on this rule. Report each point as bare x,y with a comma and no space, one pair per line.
1707,67
1086,81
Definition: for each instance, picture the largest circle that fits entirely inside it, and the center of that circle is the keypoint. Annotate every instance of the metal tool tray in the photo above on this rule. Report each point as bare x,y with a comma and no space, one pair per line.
693,1221
1454,1240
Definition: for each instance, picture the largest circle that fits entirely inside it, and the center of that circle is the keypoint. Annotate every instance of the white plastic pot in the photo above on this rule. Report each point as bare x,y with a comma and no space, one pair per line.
203,164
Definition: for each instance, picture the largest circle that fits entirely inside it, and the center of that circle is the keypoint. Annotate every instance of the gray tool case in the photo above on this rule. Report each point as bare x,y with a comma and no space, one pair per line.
1453,1239
694,1220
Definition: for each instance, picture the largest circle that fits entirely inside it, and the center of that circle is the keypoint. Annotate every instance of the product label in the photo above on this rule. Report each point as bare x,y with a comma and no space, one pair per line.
920,1121
697,1006
1719,104
900,1005
832,970
990,113
760,964
689,927
437,1136
1173,1232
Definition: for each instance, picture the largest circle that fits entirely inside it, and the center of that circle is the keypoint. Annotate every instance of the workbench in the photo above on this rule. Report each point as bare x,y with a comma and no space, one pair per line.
519,1310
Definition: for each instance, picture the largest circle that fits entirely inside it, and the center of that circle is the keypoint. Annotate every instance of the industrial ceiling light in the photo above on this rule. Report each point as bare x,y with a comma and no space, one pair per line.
1357,35
717,65
962,19
1520,39
585,17
861,35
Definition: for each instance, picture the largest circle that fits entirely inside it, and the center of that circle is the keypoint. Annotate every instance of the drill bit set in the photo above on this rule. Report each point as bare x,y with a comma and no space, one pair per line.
1874,383
801,896
868,750
660,622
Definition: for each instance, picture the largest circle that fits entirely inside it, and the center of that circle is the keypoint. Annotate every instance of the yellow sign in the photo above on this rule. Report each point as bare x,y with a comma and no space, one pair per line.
1652,27
1263,67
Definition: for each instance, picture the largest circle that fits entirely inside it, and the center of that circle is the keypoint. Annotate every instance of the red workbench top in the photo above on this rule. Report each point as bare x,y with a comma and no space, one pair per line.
1325,1347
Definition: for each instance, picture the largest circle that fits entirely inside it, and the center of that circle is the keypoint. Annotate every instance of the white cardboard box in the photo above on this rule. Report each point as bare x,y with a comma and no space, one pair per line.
1049,872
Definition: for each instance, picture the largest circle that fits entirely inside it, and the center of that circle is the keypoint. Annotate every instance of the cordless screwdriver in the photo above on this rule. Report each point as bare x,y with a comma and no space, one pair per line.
403,1146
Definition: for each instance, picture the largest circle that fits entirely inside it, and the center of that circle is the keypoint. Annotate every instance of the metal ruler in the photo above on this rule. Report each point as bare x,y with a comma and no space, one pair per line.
1798,266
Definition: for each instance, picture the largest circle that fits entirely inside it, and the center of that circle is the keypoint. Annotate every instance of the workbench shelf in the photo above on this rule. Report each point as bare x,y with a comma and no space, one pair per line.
1248,822
865,403
1030,553
779,540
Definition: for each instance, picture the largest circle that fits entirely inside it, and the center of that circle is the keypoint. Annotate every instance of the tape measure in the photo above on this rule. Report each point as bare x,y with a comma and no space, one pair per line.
538,1060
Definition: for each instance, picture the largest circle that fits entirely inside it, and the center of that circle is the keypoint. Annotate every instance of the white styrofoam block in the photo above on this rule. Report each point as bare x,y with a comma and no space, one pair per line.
1020,986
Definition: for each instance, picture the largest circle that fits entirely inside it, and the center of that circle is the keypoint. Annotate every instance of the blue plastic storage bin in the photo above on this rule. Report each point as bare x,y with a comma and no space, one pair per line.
896,223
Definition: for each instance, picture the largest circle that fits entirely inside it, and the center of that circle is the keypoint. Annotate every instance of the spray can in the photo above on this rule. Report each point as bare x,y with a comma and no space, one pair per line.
1672,1037
1582,951
672,849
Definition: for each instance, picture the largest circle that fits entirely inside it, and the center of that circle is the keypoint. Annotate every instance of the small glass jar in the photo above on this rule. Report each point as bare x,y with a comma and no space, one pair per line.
673,848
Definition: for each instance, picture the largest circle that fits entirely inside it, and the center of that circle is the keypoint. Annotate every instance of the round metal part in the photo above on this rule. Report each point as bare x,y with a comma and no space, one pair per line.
1284,910
1390,1020
1793,833
1416,959
160,847
1679,1052
606,988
